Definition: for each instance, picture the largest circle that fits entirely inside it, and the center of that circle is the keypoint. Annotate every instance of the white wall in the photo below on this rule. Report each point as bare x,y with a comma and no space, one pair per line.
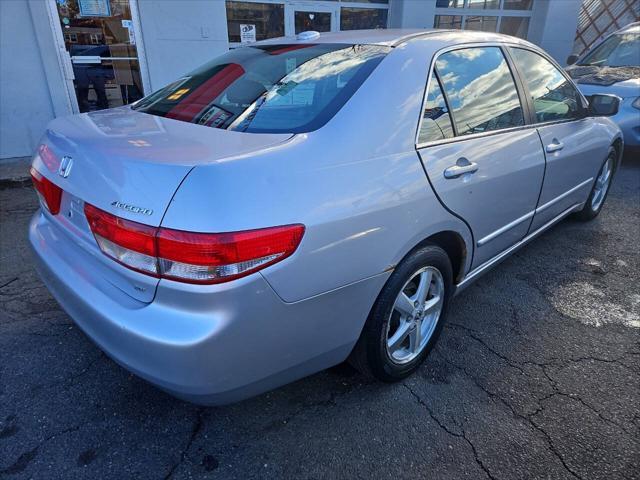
553,26
180,35
412,13
25,100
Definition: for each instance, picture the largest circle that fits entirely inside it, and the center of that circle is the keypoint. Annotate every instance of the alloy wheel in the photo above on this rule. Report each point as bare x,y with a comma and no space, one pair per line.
415,315
602,185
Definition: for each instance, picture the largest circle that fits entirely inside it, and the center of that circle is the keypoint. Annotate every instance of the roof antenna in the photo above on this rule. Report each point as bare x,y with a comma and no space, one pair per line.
306,36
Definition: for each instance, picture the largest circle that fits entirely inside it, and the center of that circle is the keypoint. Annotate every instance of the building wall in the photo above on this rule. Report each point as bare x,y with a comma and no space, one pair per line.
25,100
412,13
553,26
180,35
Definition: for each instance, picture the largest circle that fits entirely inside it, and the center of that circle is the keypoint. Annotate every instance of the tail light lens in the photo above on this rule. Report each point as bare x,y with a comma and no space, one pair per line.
130,243
50,193
190,257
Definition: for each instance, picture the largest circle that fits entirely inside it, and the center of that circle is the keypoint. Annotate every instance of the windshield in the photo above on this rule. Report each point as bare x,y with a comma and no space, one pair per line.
620,50
276,88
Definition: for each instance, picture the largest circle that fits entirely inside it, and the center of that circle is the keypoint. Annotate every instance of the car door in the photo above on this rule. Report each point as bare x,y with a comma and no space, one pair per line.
484,164
573,153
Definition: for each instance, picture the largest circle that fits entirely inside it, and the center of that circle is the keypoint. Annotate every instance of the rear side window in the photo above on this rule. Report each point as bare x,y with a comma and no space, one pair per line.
554,97
436,122
480,89
269,89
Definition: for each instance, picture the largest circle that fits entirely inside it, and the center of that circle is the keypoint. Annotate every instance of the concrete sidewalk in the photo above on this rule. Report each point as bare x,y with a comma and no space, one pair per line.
14,170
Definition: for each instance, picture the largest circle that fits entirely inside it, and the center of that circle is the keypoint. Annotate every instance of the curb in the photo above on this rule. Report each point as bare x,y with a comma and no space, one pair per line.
17,182
14,172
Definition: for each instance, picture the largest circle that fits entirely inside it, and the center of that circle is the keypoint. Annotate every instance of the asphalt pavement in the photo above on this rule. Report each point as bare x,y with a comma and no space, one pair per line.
536,375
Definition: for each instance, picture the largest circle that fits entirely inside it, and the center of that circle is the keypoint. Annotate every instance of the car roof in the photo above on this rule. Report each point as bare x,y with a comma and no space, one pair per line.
397,36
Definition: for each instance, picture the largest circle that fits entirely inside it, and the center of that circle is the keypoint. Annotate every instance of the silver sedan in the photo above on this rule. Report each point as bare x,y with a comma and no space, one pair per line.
303,201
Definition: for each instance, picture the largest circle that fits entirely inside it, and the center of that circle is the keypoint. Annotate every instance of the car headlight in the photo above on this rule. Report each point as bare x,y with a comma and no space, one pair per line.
636,103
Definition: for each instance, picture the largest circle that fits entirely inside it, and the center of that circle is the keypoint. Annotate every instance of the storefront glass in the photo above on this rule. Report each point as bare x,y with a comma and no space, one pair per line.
267,19
515,26
317,21
484,24
100,38
448,22
510,17
261,20
362,18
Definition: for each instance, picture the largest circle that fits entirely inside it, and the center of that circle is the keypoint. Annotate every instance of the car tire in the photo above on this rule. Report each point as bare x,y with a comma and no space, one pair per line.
600,189
394,342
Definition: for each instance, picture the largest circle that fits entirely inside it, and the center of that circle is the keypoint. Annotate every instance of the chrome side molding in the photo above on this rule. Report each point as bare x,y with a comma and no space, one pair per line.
486,266
564,195
527,216
508,226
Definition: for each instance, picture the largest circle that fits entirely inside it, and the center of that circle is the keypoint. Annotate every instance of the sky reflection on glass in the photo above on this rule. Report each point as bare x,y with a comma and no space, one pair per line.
480,90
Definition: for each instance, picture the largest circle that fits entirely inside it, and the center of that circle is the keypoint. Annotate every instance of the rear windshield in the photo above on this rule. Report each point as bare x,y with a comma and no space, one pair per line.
268,89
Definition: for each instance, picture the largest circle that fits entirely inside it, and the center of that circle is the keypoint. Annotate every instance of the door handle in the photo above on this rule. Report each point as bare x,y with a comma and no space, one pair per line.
461,167
555,146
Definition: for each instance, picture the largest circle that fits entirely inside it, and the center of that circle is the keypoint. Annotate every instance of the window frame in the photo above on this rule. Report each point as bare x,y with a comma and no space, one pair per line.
526,102
454,129
583,107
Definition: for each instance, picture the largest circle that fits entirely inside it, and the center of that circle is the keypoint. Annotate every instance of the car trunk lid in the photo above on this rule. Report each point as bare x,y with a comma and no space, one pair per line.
130,164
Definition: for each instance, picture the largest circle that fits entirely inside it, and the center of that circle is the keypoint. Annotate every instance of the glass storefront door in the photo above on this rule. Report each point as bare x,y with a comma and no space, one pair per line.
307,17
99,36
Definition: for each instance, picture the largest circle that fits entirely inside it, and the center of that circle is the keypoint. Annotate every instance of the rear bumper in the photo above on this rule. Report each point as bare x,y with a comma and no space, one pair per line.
206,344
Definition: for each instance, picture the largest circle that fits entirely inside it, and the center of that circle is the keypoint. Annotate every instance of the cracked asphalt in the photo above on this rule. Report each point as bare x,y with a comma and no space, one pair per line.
536,375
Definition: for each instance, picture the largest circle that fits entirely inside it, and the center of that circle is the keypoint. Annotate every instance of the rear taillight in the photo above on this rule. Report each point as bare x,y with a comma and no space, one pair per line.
50,193
130,243
191,257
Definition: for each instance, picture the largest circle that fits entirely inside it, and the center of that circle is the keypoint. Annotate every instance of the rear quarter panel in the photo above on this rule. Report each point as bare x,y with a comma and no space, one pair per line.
357,184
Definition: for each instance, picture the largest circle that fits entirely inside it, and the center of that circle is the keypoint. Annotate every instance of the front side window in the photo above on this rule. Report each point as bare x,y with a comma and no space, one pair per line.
436,122
269,89
480,89
554,97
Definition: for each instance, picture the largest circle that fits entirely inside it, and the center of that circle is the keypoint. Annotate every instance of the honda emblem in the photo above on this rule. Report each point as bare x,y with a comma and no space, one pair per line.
65,166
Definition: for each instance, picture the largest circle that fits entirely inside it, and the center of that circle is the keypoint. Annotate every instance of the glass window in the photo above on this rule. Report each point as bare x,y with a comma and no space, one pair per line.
448,21
484,24
436,122
484,4
616,51
101,29
554,97
515,26
275,88
305,21
363,18
481,92
518,4
449,3
267,17
369,1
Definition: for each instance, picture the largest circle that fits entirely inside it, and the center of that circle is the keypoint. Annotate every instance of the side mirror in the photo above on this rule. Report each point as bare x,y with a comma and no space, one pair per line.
573,58
603,105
